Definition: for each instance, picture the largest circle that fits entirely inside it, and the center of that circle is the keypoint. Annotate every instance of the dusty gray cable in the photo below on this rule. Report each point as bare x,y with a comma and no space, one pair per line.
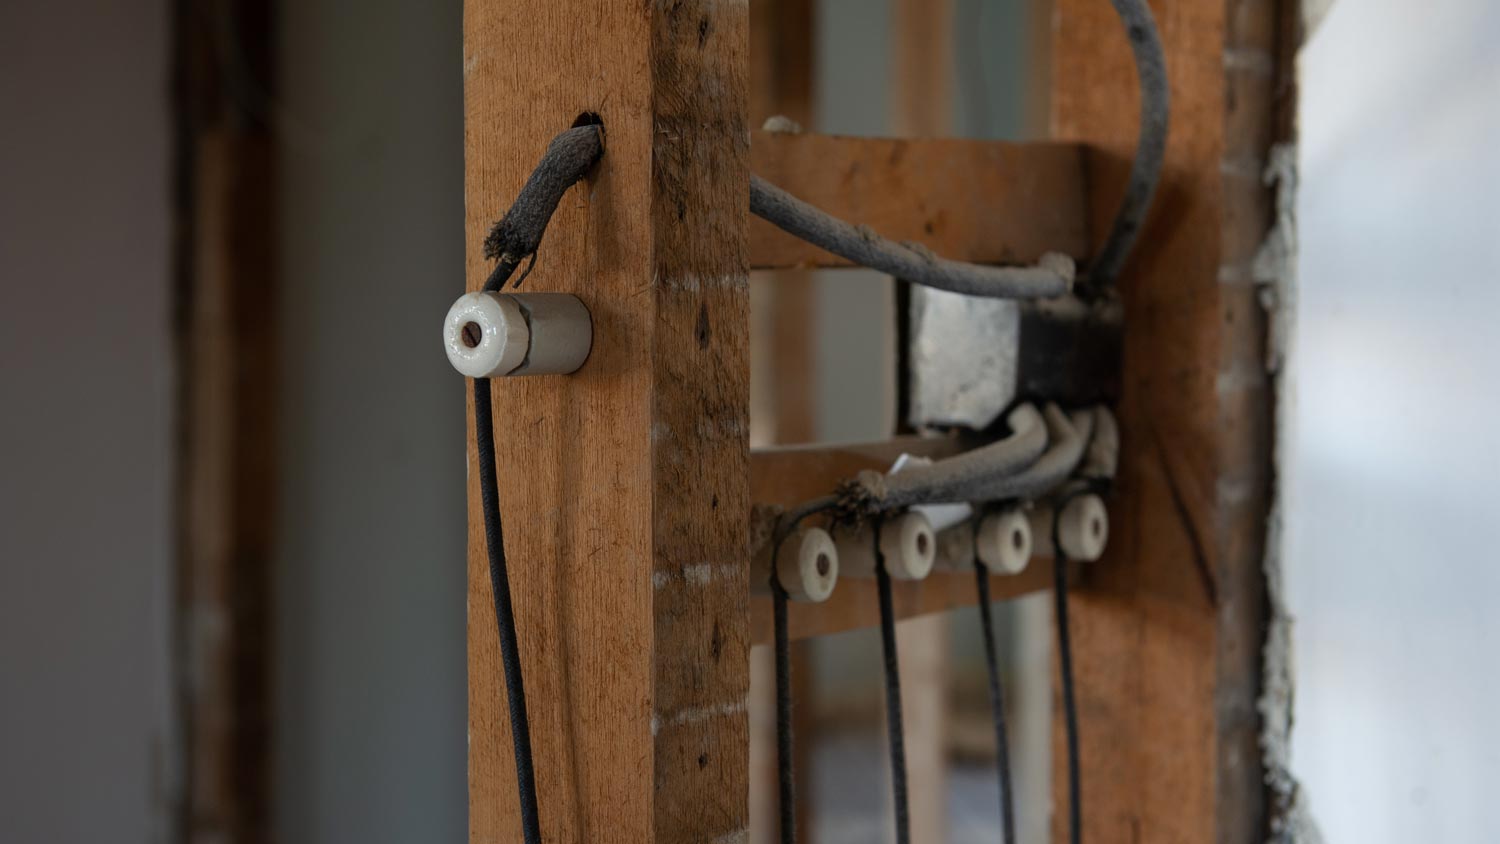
997,700
1151,143
957,478
1068,437
519,233
895,732
1052,276
515,237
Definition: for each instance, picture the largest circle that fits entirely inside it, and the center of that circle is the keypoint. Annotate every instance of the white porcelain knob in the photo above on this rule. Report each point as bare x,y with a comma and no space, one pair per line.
1003,542
807,566
907,542
1082,529
489,335
485,335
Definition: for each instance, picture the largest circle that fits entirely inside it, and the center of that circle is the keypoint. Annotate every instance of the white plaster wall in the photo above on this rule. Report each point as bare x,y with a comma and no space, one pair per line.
1389,464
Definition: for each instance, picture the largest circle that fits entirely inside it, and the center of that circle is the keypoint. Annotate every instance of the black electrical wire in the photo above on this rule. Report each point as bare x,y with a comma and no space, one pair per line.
510,655
997,701
786,783
516,237
785,775
895,732
1065,669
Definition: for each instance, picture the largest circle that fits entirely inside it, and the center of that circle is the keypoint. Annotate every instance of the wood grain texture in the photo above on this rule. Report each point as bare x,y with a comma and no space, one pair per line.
623,486
1167,627
791,475
785,409
983,201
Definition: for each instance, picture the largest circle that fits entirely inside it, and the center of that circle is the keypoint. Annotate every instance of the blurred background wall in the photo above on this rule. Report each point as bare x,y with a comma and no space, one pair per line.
372,700
1387,463
86,395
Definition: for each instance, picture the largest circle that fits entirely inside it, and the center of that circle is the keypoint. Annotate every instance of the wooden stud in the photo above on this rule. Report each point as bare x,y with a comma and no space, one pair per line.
623,486
781,57
1167,626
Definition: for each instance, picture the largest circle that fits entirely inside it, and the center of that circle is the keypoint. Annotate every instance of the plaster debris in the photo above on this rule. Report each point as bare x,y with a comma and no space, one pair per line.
781,124
1274,267
1275,270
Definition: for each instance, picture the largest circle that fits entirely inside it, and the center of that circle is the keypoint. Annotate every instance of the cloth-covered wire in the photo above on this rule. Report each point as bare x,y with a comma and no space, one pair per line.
997,700
1068,440
515,238
1151,142
953,479
786,783
518,234
510,654
1065,672
894,731
1052,276
1041,453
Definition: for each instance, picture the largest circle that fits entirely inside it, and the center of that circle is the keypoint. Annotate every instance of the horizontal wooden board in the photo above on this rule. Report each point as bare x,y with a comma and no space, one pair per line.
983,201
790,475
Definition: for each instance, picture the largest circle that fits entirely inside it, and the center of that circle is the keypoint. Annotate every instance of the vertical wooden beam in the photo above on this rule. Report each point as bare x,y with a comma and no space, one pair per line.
1259,91
1168,628
781,61
922,103
226,303
624,486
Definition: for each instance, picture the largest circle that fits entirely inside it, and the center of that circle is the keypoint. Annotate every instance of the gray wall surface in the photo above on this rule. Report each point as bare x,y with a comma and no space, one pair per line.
372,710
1388,464
85,422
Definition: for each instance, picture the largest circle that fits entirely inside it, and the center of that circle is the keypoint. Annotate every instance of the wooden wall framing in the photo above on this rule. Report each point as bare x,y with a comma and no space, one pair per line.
627,484
1168,627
